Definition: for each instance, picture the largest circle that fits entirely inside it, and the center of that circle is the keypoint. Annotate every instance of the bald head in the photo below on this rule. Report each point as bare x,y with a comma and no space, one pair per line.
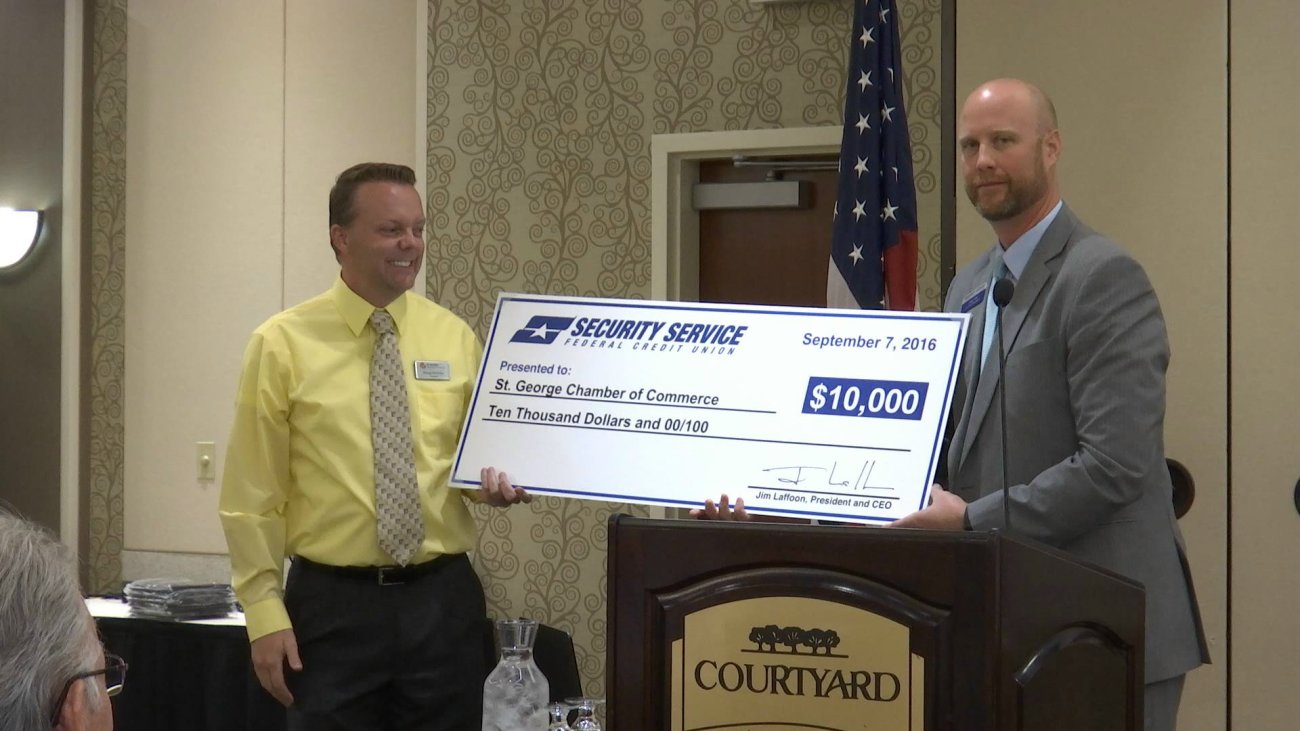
1026,97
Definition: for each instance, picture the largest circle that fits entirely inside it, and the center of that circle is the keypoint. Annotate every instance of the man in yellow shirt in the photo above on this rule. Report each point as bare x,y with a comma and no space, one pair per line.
380,619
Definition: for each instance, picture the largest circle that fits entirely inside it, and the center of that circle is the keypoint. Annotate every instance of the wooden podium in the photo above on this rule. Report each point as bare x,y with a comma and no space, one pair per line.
757,625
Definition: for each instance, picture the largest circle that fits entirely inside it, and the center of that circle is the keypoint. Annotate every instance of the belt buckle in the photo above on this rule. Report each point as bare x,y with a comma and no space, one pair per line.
384,580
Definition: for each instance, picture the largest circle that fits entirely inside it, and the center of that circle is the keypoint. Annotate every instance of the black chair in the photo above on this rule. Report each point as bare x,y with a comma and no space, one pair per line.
552,651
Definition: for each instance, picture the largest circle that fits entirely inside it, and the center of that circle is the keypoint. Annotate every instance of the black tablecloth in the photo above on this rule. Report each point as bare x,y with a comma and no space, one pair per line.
198,677
187,676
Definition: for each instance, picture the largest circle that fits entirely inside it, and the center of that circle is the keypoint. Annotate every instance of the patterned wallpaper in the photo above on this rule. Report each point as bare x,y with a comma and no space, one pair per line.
539,123
103,355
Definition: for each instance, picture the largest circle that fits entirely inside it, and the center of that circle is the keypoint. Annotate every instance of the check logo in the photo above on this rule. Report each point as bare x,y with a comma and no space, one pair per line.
542,329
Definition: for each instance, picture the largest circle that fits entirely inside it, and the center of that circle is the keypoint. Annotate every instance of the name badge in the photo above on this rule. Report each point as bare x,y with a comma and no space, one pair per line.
974,299
432,370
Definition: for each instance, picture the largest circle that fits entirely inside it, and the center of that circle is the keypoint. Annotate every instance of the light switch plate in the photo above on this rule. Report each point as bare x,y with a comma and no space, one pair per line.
205,460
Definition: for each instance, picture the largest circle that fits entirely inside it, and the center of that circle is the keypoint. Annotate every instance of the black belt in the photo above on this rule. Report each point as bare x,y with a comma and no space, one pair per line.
381,575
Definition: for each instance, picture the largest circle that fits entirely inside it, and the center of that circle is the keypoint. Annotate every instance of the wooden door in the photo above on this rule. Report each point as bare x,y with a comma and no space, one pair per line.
766,255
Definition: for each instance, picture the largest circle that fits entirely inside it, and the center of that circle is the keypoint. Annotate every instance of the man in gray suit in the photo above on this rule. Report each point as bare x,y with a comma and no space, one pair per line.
1086,354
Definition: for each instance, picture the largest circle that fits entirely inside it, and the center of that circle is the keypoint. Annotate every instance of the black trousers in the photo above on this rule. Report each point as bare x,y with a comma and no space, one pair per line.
390,657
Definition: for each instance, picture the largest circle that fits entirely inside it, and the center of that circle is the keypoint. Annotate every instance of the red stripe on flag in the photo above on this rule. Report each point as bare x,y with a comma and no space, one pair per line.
900,273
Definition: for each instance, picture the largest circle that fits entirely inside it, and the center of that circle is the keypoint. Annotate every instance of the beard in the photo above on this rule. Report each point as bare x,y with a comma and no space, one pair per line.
1021,194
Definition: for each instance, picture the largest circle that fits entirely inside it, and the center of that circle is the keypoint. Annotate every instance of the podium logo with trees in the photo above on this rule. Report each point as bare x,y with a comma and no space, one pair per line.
769,638
785,663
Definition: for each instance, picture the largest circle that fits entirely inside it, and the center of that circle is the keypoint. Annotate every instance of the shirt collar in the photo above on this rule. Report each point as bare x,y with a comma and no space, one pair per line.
356,311
1016,256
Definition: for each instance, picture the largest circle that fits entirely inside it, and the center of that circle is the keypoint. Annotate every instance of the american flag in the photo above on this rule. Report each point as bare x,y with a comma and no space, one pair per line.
873,244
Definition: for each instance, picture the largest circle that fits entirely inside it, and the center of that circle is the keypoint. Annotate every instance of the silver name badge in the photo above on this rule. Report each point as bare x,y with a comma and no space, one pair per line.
432,370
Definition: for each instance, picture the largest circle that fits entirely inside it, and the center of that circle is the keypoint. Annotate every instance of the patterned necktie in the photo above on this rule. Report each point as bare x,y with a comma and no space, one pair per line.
397,495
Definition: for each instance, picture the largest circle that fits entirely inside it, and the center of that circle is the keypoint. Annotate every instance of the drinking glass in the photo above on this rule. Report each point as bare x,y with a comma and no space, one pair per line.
586,708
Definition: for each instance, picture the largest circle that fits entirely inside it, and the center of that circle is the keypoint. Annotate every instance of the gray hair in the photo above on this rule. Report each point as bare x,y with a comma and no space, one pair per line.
45,632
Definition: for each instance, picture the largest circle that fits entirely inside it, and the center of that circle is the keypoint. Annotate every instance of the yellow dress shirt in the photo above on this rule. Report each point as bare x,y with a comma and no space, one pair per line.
299,470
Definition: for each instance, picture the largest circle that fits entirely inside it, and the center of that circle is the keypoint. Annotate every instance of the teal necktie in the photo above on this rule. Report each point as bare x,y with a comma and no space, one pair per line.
991,312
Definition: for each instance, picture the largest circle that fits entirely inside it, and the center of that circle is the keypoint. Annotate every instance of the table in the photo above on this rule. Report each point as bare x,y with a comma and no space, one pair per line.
198,676
193,675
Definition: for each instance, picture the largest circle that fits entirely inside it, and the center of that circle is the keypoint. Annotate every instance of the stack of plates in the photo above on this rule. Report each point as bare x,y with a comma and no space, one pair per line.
178,599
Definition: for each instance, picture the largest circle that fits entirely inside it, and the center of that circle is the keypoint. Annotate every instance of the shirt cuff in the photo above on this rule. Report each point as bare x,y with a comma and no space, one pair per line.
965,519
265,617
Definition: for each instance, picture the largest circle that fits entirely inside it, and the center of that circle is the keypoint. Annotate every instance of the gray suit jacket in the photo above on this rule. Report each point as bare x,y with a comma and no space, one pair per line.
1085,390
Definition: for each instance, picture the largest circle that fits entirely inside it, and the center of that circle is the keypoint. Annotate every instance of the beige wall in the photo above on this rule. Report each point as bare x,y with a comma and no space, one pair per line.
353,91
241,113
1143,90
1265,308
1140,89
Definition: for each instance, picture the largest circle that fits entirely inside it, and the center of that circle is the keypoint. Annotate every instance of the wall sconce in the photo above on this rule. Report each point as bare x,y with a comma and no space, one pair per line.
18,233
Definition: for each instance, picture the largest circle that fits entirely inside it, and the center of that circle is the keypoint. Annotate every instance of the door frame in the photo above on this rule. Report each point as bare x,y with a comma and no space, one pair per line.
675,167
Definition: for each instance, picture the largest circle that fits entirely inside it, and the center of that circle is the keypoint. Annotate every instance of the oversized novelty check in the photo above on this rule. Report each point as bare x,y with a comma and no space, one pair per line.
812,413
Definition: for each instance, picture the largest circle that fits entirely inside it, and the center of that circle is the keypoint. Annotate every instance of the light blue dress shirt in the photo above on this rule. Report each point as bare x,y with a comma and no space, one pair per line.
1014,259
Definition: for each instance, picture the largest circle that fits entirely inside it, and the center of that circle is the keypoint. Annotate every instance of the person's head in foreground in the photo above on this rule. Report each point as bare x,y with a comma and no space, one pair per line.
53,671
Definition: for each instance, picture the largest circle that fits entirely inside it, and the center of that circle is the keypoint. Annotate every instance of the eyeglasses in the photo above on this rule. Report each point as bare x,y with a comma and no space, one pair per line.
114,672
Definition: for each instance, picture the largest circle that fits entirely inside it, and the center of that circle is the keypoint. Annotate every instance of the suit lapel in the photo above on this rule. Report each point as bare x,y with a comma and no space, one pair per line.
1029,288
970,365
1034,279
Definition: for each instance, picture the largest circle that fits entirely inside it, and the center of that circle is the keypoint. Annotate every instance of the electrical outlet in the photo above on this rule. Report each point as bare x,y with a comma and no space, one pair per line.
206,460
